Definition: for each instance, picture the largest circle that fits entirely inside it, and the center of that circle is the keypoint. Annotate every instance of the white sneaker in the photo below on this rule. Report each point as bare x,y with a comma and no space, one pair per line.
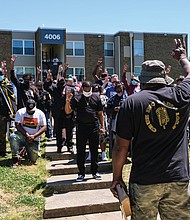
104,157
97,176
80,178
89,156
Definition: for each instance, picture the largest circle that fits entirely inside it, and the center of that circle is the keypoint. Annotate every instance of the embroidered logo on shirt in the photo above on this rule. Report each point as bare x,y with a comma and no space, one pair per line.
160,115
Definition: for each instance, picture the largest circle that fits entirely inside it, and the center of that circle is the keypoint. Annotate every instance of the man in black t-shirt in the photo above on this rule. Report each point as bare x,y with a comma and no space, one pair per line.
155,119
89,111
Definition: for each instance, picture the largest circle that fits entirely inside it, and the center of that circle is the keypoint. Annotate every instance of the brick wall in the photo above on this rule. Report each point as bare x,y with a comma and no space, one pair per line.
124,41
94,48
159,46
6,46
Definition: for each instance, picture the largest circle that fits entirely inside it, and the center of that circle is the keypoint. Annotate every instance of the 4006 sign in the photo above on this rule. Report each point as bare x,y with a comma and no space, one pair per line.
49,36
52,36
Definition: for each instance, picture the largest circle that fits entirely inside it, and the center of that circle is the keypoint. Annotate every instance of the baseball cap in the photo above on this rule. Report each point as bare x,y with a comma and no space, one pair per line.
114,75
86,84
69,77
153,71
30,105
136,78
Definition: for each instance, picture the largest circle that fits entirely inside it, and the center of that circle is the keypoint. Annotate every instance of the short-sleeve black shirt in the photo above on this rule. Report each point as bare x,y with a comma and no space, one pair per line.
156,120
87,108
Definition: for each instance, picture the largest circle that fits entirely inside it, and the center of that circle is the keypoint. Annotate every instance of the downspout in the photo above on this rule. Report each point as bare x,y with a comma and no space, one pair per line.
131,47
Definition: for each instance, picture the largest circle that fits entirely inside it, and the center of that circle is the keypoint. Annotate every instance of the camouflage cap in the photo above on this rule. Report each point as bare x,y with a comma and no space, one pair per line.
153,71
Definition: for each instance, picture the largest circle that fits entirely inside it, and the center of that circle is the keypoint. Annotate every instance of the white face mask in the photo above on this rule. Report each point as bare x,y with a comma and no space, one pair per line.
87,94
1,78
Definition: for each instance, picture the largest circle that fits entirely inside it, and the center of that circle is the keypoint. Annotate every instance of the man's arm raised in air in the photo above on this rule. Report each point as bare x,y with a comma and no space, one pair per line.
98,68
179,54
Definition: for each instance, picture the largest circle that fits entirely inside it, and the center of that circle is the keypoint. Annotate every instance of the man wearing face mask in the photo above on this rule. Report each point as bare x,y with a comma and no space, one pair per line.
89,111
132,87
7,109
100,76
30,124
58,112
110,90
44,103
113,106
25,90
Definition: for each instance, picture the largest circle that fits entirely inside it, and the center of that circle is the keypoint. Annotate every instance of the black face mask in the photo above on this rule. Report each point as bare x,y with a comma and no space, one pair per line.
27,83
103,76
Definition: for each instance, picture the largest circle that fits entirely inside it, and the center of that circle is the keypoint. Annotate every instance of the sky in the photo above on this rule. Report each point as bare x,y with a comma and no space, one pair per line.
98,16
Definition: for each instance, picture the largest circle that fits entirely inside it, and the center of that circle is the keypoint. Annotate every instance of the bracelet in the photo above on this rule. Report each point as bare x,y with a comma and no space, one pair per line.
68,100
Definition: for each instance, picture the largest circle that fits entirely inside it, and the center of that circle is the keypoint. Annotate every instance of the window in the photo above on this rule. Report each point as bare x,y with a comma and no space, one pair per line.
137,70
78,72
20,70
108,49
75,48
138,48
23,47
28,47
17,47
110,70
79,49
69,48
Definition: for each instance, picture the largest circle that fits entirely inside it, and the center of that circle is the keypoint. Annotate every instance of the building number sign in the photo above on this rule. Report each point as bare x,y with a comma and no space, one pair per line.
49,36
52,36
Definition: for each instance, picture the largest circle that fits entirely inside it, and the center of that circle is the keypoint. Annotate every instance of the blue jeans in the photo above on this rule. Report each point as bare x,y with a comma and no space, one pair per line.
17,141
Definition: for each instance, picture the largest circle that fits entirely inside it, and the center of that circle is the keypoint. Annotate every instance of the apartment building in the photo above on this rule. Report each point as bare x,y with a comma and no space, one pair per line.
49,47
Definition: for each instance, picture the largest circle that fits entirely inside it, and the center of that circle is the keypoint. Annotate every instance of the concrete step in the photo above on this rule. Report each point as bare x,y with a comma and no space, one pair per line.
62,167
67,183
64,155
80,203
51,152
97,216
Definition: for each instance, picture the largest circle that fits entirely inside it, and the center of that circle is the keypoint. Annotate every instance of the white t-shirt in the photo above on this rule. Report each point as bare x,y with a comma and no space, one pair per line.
31,123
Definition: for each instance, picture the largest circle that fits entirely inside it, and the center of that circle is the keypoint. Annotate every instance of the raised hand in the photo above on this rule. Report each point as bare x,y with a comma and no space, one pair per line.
66,66
125,67
168,69
180,51
38,70
60,68
99,62
13,58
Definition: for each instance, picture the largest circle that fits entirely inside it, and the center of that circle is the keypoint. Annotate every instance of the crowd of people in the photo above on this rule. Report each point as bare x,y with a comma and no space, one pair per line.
98,108
146,118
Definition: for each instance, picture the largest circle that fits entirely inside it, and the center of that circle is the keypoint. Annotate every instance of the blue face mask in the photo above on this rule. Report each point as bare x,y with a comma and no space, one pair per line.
134,83
1,78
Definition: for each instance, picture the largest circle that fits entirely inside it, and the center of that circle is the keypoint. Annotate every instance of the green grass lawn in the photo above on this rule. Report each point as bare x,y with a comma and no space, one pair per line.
22,189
